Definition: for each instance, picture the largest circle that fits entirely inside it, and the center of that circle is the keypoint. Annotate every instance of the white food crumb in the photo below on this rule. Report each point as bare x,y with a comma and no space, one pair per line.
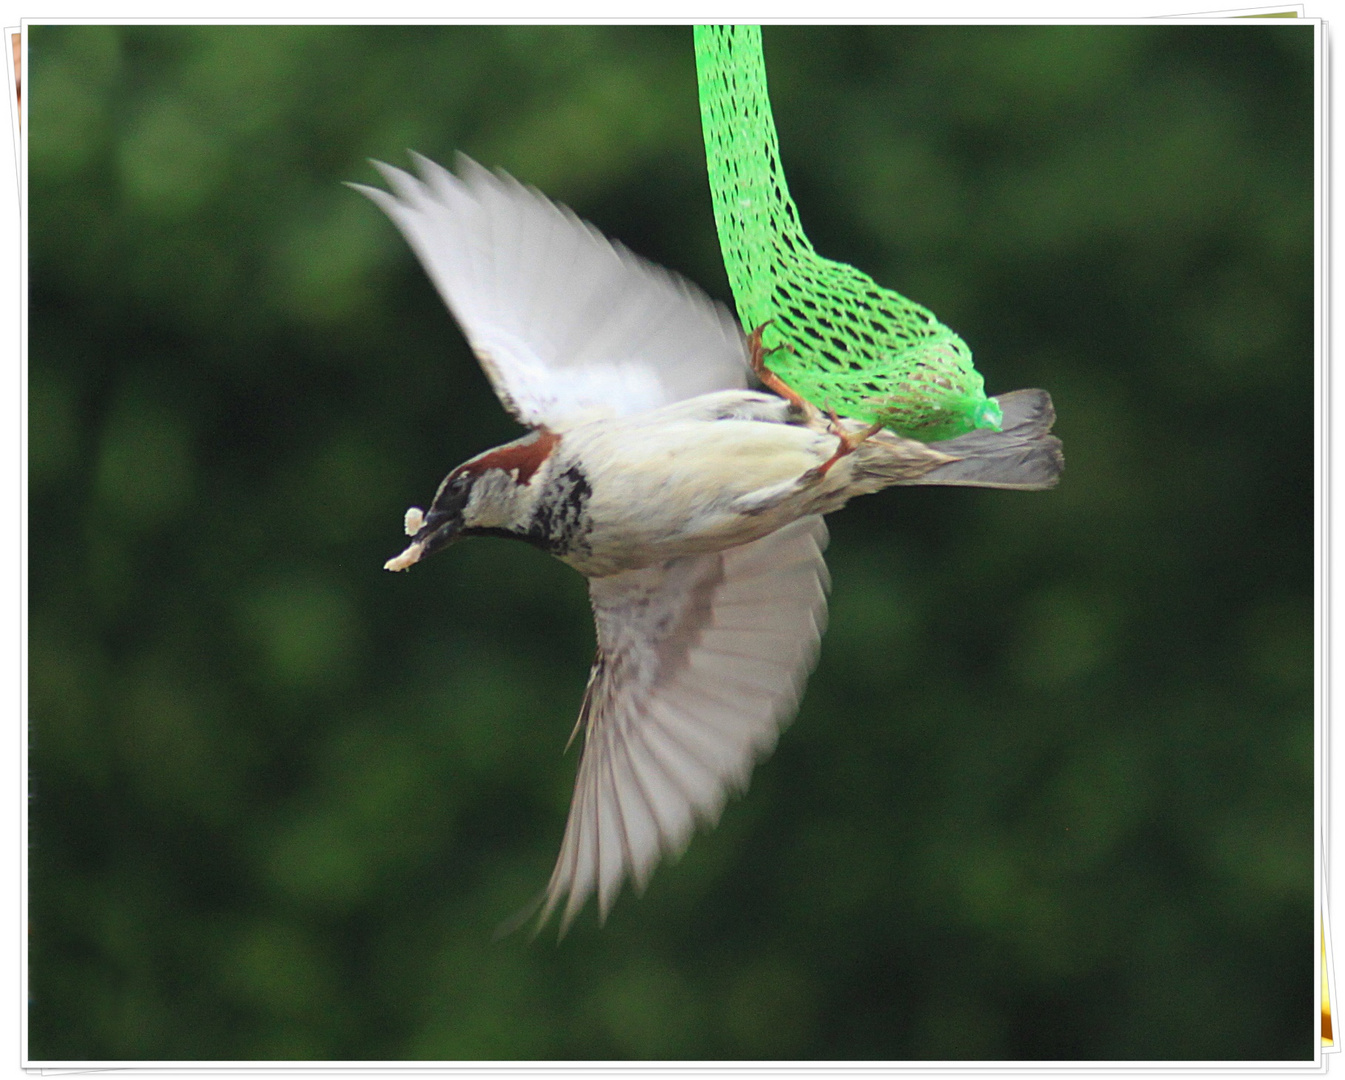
406,558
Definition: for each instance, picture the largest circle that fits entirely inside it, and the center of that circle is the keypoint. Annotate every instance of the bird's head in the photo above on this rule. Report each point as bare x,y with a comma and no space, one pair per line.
493,494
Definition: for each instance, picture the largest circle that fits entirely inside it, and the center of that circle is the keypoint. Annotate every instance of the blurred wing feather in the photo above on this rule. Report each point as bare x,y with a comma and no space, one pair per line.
700,662
568,325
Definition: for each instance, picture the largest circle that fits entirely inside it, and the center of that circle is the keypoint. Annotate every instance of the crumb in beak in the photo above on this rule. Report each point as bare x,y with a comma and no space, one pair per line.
407,558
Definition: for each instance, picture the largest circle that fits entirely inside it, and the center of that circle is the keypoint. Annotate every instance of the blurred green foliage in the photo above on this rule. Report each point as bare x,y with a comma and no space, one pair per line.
1050,792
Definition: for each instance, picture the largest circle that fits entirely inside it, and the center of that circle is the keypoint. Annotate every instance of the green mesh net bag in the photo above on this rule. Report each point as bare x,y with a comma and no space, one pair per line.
853,346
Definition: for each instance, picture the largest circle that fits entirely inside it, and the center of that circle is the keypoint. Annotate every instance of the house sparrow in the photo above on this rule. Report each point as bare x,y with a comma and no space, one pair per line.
692,503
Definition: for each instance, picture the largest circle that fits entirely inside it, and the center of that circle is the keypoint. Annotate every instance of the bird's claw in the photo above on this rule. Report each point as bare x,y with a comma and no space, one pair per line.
756,355
849,443
846,443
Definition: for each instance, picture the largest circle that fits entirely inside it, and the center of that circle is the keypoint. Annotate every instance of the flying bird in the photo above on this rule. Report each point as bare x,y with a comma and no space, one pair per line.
692,502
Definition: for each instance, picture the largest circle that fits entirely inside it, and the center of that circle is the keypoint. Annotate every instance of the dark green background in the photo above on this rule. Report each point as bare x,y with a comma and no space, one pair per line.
1050,791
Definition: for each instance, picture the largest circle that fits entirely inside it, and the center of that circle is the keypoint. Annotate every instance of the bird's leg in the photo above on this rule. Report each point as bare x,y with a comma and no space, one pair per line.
847,443
770,380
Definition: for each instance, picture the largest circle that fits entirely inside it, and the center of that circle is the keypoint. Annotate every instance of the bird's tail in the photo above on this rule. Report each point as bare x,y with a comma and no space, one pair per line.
1023,454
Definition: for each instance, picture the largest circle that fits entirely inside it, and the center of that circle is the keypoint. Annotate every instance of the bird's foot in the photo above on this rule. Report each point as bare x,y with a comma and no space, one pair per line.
847,443
756,356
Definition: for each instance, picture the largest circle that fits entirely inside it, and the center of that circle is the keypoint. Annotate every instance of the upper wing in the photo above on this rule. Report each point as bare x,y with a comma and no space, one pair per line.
568,325
700,661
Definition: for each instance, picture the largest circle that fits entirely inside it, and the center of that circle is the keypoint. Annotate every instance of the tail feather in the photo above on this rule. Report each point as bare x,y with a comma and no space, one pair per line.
1021,455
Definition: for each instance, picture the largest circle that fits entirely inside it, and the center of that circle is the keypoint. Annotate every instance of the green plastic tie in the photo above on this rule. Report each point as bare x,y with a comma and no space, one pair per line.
850,344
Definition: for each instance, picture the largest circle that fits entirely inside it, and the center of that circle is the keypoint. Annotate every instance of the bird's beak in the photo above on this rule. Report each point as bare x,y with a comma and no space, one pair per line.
428,532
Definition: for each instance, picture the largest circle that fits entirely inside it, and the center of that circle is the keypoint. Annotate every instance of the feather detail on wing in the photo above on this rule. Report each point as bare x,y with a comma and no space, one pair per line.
700,662
568,325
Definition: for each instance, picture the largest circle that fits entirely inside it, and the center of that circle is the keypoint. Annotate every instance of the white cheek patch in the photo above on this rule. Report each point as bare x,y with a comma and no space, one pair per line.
415,518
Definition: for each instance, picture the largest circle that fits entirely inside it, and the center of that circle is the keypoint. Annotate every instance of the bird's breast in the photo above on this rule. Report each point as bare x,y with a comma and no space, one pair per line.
620,496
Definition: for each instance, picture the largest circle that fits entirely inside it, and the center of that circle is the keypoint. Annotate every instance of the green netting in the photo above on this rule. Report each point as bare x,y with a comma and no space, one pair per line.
854,346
